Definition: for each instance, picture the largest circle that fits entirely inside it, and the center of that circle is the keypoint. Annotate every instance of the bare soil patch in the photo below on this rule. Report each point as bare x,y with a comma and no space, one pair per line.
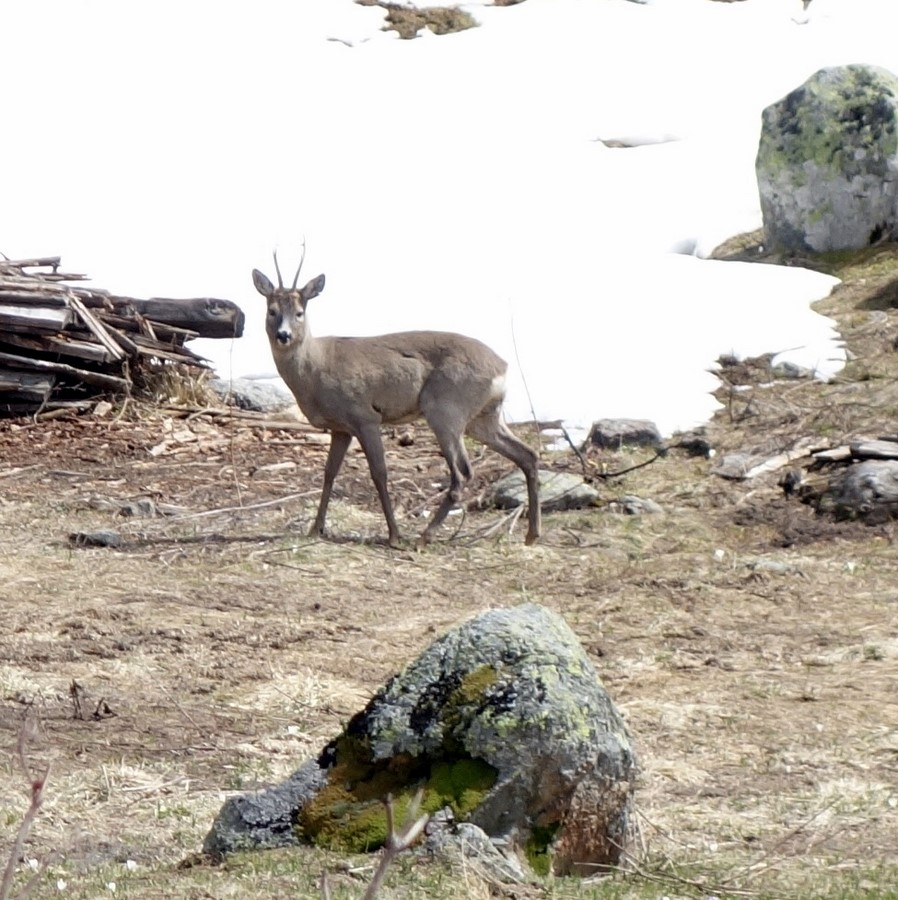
751,645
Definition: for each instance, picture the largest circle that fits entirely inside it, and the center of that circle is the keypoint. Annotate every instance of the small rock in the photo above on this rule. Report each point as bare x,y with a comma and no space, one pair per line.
787,369
636,506
469,843
557,491
774,566
696,444
616,433
869,491
248,394
142,508
96,539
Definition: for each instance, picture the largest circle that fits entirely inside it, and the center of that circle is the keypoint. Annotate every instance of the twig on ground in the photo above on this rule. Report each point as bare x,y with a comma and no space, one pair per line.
237,509
508,521
37,783
396,842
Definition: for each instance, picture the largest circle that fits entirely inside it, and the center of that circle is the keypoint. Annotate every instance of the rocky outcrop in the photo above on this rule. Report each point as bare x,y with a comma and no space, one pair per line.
503,720
827,163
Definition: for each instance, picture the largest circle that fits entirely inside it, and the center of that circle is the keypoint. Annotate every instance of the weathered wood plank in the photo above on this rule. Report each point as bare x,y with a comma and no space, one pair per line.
38,384
101,379
97,327
874,449
28,318
63,344
834,454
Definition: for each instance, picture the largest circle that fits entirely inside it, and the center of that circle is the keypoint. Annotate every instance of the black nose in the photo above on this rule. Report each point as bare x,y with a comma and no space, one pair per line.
283,337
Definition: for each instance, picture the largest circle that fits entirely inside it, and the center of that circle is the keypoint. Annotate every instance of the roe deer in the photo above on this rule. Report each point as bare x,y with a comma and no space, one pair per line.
350,386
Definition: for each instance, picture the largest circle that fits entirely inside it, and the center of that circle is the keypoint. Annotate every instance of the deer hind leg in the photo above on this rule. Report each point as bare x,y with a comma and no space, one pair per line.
373,447
339,445
489,429
449,436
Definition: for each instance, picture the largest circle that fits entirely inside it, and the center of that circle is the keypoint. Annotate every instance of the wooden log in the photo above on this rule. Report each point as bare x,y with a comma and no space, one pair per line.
100,379
49,262
208,316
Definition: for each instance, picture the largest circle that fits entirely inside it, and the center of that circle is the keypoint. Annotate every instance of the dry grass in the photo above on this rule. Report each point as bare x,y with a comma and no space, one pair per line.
752,646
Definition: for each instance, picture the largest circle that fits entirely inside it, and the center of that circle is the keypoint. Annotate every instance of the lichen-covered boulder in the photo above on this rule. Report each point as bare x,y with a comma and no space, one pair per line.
503,720
827,164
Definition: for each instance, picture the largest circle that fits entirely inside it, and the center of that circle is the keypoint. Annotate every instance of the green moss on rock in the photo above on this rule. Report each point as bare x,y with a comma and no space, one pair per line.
538,849
349,816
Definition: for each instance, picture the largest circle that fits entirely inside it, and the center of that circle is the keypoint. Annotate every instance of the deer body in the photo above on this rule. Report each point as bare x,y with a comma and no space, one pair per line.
351,386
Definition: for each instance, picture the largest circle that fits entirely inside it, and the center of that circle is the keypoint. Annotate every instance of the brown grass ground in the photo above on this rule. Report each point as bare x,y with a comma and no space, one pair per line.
752,646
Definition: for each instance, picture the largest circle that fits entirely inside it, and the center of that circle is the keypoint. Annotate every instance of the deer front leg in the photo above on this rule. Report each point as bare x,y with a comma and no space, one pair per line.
373,447
339,445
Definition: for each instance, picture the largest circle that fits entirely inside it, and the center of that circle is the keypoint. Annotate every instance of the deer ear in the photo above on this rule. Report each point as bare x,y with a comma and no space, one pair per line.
263,285
313,288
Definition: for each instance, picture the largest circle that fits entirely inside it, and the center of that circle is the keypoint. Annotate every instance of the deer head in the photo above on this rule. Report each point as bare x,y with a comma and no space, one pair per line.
286,320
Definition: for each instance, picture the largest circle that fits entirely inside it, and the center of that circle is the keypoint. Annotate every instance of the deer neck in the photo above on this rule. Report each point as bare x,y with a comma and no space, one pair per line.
298,363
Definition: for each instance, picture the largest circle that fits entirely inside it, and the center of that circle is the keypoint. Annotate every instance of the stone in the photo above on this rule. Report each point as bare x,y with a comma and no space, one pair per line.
632,505
613,434
264,820
104,538
557,491
868,490
827,163
503,719
462,841
249,394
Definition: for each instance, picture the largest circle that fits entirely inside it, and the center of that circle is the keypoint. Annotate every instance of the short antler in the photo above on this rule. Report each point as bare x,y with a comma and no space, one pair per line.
302,259
277,269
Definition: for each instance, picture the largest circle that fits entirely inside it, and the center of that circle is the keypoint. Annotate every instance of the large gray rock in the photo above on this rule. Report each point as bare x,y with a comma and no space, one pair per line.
827,163
503,719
